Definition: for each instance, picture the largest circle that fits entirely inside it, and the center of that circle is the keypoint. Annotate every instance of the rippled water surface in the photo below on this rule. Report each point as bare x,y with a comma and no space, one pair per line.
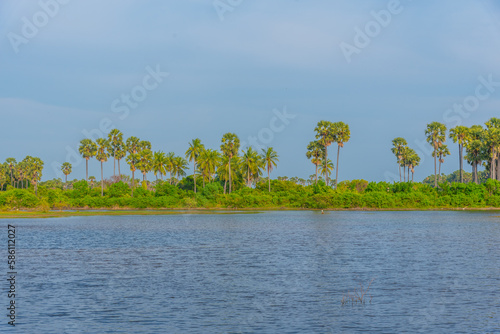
273,272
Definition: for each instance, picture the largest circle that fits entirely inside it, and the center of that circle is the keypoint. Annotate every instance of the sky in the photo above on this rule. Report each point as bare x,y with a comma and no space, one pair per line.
169,71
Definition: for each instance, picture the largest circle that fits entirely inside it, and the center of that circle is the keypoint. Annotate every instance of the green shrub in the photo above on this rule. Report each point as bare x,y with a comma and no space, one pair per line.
118,189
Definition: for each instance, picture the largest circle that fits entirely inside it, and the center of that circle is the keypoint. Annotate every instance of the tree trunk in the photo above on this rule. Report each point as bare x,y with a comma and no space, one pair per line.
326,164
87,170
133,183
230,181
119,172
399,164
268,178
337,170
435,170
114,166
498,167
492,165
66,181
461,155
194,174
102,182
439,170
404,174
408,173
412,173
225,184
316,173
11,178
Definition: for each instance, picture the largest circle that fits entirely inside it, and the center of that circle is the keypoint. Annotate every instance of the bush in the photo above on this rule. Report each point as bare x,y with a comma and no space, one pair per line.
118,189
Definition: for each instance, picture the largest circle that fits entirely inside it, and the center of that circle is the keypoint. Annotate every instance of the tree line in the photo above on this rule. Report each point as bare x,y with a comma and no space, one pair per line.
208,164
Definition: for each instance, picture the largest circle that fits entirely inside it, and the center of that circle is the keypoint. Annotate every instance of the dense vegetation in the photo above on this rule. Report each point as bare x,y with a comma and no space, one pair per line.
284,194
231,178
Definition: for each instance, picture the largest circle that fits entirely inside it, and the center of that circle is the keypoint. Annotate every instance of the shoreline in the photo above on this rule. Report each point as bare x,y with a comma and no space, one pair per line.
82,212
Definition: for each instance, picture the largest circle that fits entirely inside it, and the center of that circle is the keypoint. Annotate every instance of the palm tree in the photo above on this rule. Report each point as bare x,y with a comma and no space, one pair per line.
441,152
180,166
132,146
120,153
459,134
475,147
132,160
66,169
230,147
436,136
403,161
493,142
87,149
115,138
326,169
325,134
12,164
35,167
397,148
342,134
270,158
192,153
159,164
208,161
92,180
3,175
145,162
315,152
102,155
251,164
169,165
413,161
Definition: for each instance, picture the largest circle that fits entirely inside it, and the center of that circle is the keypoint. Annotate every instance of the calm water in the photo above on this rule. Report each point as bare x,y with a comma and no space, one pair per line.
275,272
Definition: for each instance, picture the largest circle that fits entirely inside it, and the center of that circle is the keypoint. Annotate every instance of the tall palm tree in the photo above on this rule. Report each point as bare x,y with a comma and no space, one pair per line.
436,136
120,153
397,148
270,158
458,134
325,135
12,164
35,167
132,146
66,169
115,138
145,162
87,149
493,142
230,147
342,134
315,152
192,153
474,145
102,155
159,164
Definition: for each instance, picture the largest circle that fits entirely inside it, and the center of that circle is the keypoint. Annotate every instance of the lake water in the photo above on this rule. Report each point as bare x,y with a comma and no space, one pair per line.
272,272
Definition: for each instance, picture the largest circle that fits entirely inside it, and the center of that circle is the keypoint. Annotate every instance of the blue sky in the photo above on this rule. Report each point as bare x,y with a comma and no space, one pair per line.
235,65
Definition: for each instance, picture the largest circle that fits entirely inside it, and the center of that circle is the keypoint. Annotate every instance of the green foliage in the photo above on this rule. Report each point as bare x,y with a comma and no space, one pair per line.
118,189
212,191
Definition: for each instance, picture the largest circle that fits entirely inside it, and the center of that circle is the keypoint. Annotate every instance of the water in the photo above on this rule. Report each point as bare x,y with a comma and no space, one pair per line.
273,272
